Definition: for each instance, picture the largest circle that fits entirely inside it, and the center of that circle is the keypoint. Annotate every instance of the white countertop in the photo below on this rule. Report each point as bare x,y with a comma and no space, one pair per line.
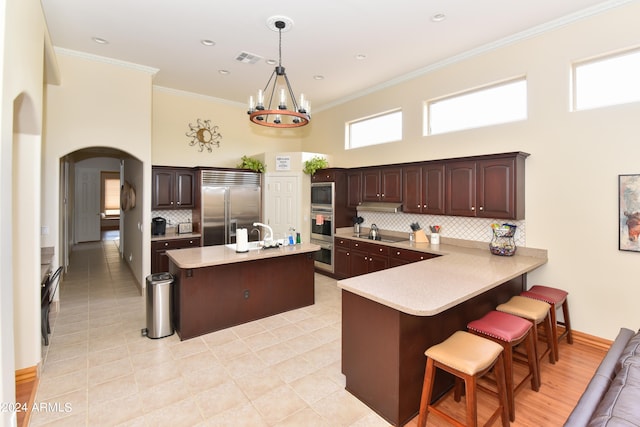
207,256
426,288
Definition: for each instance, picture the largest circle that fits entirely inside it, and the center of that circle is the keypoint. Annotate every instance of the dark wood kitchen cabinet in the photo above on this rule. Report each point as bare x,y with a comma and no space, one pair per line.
354,257
159,248
492,187
173,188
354,189
382,185
423,189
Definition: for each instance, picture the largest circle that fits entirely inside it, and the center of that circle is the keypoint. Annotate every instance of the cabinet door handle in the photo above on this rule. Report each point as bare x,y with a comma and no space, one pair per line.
166,244
473,208
481,208
177,203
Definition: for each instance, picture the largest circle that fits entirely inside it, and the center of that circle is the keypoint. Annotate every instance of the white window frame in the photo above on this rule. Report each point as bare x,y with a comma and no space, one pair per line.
596,91
374,122
471,103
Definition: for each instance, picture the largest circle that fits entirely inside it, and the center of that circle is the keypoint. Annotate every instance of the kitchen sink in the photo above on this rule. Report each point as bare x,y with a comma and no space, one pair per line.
253,246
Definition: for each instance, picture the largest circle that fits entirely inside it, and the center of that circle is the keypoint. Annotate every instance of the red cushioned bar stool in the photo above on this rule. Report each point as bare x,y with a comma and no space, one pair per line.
536,312
556,298
509,331
467,357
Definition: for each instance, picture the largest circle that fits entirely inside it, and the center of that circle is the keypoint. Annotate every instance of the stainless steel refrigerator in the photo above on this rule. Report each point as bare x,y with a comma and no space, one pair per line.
230,200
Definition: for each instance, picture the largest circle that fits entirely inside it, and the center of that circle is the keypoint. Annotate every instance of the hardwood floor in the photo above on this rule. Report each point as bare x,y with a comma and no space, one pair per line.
562,386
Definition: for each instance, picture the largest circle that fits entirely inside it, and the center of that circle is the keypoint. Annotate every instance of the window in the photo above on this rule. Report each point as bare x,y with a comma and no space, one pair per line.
378,129
500,103
610,80
110,200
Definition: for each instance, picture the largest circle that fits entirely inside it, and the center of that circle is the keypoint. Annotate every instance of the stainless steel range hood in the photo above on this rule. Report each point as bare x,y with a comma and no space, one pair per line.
380,207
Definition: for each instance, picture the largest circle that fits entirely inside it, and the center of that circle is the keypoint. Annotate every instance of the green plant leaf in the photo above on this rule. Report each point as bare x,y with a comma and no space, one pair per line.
315,163
251,163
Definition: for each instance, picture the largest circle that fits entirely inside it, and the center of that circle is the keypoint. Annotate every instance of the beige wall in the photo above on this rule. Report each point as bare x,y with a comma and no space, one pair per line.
571,175
173,111
101,103
22,42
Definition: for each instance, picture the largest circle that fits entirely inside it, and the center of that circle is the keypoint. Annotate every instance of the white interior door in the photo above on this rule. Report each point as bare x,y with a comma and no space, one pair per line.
282,207
87,205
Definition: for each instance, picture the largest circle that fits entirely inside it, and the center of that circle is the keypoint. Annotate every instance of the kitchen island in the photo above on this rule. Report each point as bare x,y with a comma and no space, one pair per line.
390,317
215,287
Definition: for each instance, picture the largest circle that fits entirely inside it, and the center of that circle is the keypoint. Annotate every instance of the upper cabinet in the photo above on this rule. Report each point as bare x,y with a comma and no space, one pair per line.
173,188
354,188
382,184
487,187
423,189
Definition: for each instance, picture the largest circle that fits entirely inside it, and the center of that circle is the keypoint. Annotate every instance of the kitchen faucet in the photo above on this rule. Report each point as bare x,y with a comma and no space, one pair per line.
267,237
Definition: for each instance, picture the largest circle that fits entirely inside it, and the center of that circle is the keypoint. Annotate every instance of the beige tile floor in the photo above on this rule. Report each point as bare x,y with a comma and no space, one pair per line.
99,371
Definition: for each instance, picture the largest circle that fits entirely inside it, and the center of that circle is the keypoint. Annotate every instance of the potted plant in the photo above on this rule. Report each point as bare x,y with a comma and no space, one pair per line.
251,163
315,163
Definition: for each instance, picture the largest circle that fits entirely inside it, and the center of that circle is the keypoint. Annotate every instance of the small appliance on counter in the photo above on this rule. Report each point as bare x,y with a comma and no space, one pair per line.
185,227
158,226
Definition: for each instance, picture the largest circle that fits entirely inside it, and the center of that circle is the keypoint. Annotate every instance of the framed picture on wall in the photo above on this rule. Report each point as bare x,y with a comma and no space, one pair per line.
629,212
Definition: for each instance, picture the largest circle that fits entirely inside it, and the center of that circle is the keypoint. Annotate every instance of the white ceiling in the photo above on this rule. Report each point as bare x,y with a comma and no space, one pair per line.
398,38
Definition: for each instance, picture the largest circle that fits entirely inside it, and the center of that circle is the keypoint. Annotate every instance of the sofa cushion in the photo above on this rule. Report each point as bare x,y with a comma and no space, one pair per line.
630,354
600,381
619,406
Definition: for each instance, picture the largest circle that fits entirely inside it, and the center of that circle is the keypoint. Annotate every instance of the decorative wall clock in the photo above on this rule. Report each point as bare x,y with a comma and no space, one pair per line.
204,135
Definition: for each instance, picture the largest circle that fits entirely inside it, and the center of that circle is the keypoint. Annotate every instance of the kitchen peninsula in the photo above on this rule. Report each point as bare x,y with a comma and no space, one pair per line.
390,317
215,287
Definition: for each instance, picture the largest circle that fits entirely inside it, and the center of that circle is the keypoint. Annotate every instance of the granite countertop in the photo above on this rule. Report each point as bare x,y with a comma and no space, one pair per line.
425,288
207,256
172,236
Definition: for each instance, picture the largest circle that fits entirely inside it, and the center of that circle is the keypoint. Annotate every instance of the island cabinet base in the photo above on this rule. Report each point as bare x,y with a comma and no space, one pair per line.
211,298
383,348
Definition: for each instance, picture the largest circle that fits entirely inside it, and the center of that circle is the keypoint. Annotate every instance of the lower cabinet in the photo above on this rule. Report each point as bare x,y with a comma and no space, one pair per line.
159,248
354,257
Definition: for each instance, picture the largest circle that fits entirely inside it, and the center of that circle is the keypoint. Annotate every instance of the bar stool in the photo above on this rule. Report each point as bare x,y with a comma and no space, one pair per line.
467,357
556,298
509,331
537,312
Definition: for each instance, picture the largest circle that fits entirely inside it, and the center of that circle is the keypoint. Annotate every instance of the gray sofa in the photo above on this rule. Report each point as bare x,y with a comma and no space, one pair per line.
612,397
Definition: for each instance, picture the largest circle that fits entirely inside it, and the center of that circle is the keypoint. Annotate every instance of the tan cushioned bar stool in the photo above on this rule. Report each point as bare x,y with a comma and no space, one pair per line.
509,331
468,357
556,298
537,312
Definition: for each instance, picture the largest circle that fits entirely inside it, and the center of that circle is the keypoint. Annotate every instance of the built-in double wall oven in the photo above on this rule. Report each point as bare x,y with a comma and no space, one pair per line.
322,225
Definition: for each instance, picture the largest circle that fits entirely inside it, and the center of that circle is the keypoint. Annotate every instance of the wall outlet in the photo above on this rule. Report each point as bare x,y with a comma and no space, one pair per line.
44,230
246,294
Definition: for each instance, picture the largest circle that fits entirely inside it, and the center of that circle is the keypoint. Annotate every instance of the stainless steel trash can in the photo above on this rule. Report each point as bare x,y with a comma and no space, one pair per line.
159,306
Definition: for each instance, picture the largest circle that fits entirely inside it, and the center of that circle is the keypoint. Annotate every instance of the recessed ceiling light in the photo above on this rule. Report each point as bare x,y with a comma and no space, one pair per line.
271,61
438,17
224,72
207,42
318,77
100,40
361,56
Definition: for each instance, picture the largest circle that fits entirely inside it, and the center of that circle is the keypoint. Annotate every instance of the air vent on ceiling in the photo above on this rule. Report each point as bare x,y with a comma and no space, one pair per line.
248,58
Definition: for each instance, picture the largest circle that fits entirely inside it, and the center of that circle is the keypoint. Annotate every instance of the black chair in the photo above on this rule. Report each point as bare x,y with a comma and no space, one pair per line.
49,288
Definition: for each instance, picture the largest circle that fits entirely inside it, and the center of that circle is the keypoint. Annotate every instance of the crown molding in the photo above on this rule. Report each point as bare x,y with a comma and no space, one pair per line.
523,35
103,59
180,92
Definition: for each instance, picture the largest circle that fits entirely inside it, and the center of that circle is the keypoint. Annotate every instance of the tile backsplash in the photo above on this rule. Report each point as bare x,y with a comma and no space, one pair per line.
173,217
478,229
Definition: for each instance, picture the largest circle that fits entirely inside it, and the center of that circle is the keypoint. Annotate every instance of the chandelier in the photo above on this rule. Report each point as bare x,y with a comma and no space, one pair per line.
283,116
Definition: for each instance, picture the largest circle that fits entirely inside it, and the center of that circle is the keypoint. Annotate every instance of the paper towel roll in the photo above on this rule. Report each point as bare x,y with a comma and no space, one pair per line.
242,240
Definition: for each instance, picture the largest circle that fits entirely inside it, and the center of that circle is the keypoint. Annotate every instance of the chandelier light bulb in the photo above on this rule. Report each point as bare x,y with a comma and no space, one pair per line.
265,112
